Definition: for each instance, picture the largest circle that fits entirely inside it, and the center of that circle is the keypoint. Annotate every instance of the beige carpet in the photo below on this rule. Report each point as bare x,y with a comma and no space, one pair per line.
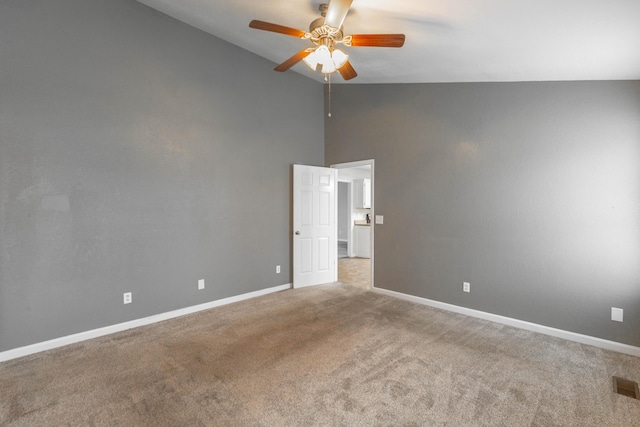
355,271
330,355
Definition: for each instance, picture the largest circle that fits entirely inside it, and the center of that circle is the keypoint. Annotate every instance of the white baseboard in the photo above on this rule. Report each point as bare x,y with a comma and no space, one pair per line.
95,333
534,327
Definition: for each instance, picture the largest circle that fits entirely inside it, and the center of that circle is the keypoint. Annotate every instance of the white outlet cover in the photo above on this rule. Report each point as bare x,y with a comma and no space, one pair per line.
379,219
277,269
466,287
127,298
617,314
201,284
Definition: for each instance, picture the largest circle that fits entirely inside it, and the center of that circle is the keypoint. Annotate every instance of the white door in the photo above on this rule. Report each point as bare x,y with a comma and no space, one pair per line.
314,225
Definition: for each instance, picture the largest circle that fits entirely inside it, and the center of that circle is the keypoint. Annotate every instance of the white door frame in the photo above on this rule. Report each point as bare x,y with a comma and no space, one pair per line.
356,164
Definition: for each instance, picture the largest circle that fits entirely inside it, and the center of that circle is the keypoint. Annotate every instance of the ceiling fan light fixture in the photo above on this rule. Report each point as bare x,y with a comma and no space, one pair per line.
329,68
311,60
330,59
339,58
323,54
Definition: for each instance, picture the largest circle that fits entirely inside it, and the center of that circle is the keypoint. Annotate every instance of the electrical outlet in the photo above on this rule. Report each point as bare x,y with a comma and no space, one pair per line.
127,298
466,287
277,269
617,314
200,284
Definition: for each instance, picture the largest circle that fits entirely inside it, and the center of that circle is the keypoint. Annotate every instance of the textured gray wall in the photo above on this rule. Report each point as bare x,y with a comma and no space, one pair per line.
138,154
530,191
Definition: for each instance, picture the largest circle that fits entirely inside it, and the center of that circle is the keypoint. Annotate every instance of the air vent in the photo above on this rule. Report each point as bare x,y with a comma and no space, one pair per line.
626,387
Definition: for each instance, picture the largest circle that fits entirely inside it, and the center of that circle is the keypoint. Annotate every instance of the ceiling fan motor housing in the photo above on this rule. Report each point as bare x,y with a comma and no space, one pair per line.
317,23
321,33
324,34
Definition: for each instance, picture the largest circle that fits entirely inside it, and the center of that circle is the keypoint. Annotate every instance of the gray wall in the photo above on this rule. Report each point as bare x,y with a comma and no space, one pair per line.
530,191
138,154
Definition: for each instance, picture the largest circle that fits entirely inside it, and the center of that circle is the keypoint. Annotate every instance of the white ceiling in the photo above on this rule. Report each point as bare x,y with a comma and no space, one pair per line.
446,40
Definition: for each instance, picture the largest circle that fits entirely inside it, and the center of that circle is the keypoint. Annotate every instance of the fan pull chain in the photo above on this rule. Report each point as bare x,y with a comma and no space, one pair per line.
327,77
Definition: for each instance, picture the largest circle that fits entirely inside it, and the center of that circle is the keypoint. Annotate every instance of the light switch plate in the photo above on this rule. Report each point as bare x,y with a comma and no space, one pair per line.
617,314
379,219
201,284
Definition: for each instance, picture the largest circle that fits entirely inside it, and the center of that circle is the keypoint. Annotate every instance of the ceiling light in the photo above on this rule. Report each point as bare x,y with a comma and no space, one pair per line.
311,60
330,59
339,58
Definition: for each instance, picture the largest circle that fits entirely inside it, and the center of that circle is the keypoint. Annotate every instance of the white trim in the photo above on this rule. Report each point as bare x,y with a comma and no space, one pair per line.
95,333
349,165
534,327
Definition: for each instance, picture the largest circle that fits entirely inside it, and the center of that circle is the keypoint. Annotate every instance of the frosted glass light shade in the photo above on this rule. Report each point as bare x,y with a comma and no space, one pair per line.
329,67
339,58
330,60
311,60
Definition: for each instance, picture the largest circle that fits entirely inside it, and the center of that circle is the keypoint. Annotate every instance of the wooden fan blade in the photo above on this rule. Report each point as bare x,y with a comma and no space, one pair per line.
378,40
275,28
347,72
293,60
336,12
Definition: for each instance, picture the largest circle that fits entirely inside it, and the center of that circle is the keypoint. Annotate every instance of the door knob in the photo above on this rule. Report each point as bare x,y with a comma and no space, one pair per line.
297,233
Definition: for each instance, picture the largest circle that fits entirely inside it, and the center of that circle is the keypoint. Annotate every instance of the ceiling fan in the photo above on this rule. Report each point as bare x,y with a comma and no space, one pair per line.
325,33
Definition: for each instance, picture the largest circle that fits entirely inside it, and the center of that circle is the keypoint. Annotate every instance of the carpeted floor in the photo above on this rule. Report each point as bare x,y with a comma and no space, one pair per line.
355,271
328,355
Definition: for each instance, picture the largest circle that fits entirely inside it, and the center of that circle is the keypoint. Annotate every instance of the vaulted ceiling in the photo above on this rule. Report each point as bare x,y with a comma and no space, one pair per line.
446,40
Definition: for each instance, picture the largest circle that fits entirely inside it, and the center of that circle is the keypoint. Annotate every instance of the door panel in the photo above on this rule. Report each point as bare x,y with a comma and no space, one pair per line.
307,209
306,255
323,254
324,208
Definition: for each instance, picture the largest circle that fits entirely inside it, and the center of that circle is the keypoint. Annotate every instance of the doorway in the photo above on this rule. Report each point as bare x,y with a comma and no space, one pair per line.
355,234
